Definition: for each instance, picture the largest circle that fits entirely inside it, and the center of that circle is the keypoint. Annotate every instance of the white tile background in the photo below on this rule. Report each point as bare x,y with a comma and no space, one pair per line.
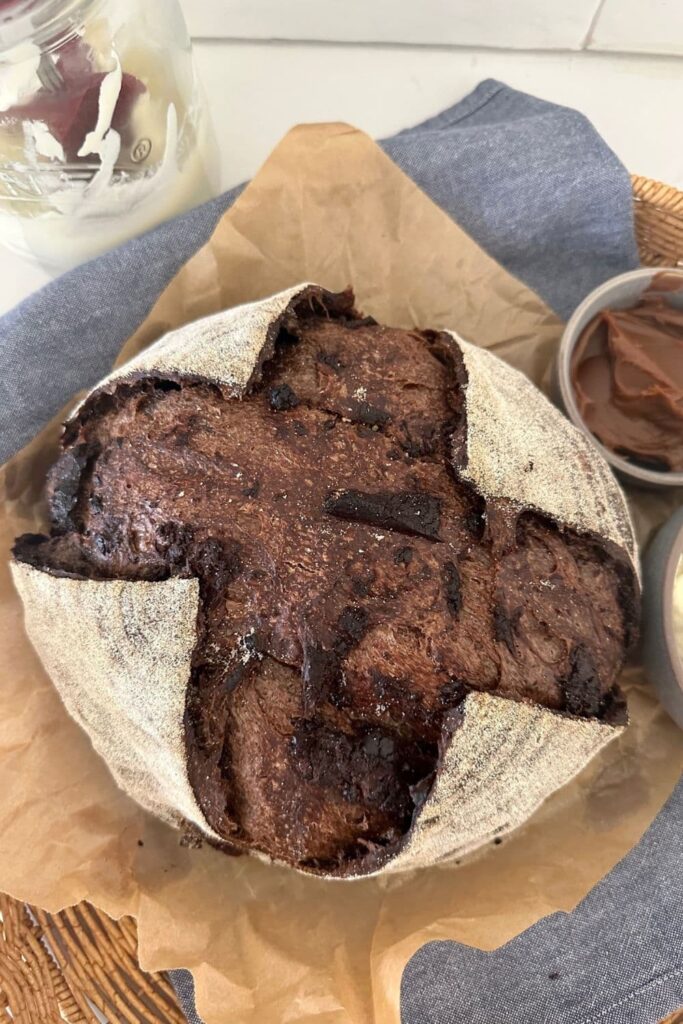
532,24
644,26
635,26
259,90
386,64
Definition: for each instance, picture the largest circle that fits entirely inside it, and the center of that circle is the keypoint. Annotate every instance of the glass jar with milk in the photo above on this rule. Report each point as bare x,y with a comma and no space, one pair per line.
103,133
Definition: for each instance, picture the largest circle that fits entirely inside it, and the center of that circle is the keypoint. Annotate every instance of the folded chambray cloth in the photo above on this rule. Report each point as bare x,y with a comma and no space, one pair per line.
539,189
532,182
616,959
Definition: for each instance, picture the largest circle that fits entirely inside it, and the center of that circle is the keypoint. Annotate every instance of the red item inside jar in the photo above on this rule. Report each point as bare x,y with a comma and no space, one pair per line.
71,112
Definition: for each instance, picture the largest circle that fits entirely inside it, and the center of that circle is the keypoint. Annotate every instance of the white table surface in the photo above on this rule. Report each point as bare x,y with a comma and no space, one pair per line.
257,90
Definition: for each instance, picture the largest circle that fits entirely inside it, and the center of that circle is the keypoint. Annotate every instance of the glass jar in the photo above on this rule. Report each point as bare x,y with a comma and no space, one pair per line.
103,132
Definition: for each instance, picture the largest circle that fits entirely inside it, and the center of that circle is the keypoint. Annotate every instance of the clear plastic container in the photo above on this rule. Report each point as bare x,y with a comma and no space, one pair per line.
103,129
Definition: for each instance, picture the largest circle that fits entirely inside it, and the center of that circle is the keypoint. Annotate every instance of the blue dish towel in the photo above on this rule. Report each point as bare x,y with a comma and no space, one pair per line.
616,959
532,182
537,187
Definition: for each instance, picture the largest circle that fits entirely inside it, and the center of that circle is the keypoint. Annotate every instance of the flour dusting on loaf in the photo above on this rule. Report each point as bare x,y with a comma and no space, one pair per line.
519,448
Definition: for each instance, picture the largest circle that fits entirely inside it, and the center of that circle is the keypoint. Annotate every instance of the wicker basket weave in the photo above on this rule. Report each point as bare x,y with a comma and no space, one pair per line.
64,967
659,222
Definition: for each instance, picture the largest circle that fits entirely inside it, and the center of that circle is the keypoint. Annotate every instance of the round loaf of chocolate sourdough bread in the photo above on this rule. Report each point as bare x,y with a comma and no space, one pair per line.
342,595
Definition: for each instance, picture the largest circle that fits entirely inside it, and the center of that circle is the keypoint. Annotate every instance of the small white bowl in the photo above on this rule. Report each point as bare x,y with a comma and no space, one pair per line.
619,292
661,655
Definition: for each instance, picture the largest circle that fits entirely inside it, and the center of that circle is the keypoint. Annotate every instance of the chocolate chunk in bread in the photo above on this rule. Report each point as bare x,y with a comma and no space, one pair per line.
283,397
416,513
453,588
581,684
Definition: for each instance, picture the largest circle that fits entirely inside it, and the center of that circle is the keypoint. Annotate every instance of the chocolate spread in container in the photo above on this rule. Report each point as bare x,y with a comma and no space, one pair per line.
627,374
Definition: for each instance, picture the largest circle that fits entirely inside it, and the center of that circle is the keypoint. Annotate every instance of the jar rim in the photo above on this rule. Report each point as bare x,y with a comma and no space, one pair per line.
48,24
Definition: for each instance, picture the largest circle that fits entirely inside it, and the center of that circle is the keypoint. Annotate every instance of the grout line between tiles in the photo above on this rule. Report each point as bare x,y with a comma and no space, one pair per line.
588,38
583,49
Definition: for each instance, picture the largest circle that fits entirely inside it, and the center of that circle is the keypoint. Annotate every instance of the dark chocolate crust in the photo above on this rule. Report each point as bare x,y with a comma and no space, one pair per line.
353,588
